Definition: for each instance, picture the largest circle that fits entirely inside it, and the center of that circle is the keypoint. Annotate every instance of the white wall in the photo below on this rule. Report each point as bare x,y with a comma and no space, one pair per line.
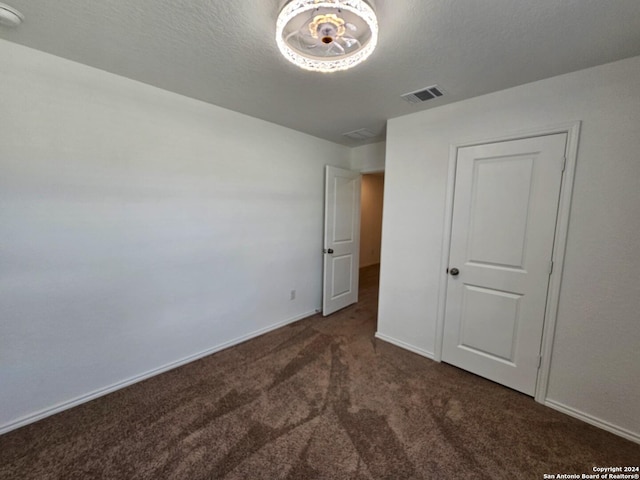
368,158
371,200
139,227
595,365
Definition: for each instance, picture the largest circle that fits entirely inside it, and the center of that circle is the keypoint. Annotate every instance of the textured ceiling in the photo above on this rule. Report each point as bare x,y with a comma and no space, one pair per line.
224,52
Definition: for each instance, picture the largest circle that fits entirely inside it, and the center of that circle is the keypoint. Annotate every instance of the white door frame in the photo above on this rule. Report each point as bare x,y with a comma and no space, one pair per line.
559,245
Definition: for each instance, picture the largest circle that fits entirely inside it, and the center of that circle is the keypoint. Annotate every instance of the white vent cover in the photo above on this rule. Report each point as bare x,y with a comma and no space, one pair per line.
362,134
423,94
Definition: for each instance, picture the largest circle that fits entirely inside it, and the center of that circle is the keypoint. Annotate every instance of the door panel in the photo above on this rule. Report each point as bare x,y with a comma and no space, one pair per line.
341,239
504,217
489,322
499,206
344,209
342,268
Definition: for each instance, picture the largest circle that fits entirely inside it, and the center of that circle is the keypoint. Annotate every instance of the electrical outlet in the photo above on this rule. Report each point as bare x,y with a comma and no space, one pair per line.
293,295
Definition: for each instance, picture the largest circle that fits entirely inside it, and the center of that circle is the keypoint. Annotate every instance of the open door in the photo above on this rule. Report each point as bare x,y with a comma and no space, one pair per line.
341,239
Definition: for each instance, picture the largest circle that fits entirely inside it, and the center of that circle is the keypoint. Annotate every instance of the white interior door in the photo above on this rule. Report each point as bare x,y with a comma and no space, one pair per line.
504,216
341,239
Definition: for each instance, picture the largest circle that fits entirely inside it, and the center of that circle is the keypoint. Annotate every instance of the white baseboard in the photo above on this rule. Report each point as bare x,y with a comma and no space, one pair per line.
406,346
39,415
585,417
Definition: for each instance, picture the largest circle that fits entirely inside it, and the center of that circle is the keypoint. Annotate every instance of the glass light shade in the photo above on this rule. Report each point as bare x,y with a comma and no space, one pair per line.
327,36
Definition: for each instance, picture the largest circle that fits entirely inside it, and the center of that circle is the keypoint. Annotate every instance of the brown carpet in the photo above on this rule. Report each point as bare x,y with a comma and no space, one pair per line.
319,399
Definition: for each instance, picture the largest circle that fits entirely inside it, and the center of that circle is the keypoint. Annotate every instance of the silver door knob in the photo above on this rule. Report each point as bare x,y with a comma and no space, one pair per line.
454,271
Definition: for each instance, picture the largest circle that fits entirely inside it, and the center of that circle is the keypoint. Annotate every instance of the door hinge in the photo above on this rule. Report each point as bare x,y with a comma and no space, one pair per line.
539,361
564,163
550,267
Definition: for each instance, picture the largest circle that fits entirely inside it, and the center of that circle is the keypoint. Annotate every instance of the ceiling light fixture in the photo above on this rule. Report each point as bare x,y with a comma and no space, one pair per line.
9,16
327,35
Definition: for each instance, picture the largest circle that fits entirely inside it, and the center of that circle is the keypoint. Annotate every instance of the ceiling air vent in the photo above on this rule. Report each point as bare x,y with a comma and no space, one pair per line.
362,134
423,95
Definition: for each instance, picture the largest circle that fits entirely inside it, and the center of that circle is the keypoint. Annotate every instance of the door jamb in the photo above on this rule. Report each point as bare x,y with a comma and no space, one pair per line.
572,129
